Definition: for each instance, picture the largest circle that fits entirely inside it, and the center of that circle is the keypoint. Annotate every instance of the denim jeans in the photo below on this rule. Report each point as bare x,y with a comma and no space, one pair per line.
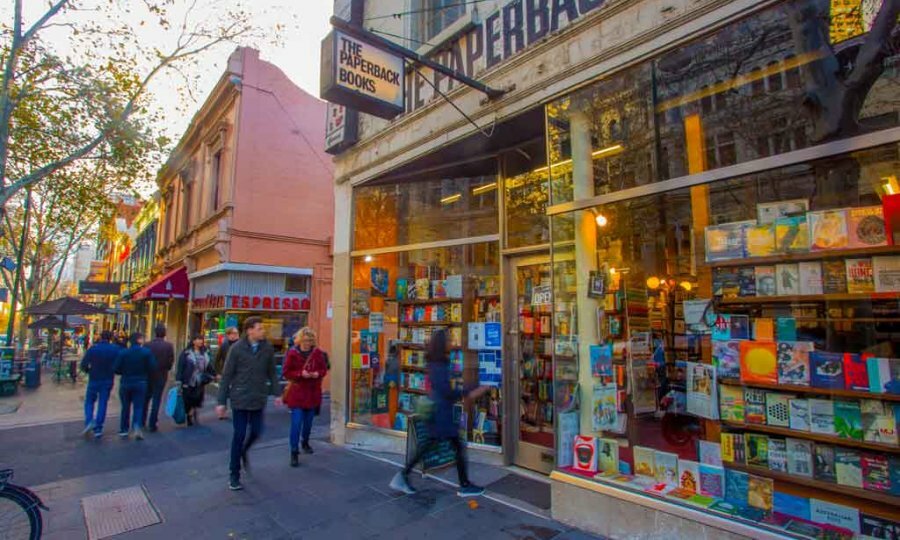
97,393
301,419
155,388
132,395
240,441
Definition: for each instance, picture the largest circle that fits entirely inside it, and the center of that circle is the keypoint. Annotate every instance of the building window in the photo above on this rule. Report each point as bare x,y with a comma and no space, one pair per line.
214,179
186,197
433,16
296,284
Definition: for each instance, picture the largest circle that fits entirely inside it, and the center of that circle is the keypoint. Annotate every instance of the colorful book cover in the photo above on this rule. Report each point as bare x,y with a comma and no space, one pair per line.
848,420
666,468
841,521
757,449
759,240
721,328
860,275
601,360
758,362
746,281
605,414
771,212
736,487
402,292
778,454
712,480
689,475
764,329
726,282
824,464
834,277
787,279
438,288
754,406
778,409
821,416
710,452
608,455
760,491
793,362
894,466
423,289
379,281
875,471
847,467
810,277
799,410
644,461
886,272
791,234
454,286
765,280
732,447
786,328
792,505
884,375
727,358
878,422
856,376
800,457
726,241
585,454
828,230
826,370
739,326
866,227
878,527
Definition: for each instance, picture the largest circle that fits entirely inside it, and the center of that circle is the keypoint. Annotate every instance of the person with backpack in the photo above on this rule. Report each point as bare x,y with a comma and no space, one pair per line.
134,365
440,422
304,367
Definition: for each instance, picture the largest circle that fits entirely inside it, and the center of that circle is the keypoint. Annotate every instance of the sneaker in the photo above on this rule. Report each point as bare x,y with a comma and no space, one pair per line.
152,429
470,490
98,435
138,435
295,459
123,434
87,429
245,461
307,449
400,483
234,484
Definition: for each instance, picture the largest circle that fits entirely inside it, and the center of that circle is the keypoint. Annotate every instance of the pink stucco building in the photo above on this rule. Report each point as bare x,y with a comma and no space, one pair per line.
246,211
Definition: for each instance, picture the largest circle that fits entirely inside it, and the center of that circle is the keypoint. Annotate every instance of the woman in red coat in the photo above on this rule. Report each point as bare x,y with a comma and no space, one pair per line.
304,368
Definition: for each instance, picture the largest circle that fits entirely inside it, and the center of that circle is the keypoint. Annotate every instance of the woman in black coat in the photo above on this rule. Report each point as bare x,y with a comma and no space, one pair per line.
194,372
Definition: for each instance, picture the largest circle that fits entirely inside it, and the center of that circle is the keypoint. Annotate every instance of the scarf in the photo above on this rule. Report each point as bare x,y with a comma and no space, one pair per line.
199,361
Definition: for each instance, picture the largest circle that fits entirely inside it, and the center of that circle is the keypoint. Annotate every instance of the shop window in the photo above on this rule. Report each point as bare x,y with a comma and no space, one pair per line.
296,284
431,17
527,194
774,79
737,344
398,300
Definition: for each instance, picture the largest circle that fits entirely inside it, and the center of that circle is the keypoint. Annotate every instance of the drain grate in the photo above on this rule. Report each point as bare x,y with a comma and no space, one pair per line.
117,512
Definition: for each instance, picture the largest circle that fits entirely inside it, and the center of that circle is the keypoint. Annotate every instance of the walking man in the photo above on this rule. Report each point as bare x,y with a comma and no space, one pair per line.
232,335
99,363
164,353
134,364
248,379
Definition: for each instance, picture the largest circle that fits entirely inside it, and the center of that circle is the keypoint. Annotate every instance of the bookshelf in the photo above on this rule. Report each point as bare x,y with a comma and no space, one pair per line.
810,298
856,394
808,256
817,437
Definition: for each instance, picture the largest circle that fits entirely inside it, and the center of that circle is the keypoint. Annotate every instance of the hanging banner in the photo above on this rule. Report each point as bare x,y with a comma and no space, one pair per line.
341,128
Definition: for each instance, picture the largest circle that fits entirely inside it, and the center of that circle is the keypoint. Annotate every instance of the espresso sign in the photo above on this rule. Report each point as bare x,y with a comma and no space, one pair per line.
361,76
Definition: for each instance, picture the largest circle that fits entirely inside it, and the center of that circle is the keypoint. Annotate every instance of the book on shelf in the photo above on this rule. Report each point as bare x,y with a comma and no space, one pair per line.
886,273
866,227
799,414
826,370
894,466
828,230
778,411
608,455
712,480
760,492
821,416
823,466
754,406
736,487
777,454
746,278
727,358
757,449
848,420
726,282
787,279
710,452
453,286
759,240
765,280
800,457
791,234
758,362
878,422
884,375
666,467
726,241
834,277
689,475
731,403
601,360
875,472
860,276
585,454
878,527
763,329
644,461
769,212
847,467
856,375
402,289
793,362
786,328
732,447
810,277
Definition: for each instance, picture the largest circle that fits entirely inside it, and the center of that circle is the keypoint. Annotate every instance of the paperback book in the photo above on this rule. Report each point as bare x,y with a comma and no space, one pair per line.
799,414
754,406
760,491
666,468
826,370
847,468
884,375
800,457
856,375
866,227
727,358
824,464
875,472
765,280
726,241
791,234
710,452
601,360
878,422
778,411
860,275
736,487
770,212
828,230
821,416
757,449
778,455
689,475
886,272
758,362
787,279
848,420
712,480
732,447
759,240
644,461
810,277
608,455
834,277
726,282
746,281
793,362
731,403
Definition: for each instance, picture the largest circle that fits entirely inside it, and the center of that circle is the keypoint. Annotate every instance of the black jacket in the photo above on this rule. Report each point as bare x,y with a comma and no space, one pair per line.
221,355
134,364
164,353
249,378
184,373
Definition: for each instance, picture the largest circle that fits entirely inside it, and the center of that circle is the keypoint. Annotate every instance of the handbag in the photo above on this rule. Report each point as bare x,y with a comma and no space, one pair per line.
287,387
171,401
179,416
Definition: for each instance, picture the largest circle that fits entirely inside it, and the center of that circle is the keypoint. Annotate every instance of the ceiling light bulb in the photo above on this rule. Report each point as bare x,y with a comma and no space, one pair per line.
368,258
601,220
653,282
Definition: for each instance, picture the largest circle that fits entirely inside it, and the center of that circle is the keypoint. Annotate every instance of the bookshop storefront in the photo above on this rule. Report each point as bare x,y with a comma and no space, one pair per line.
726,289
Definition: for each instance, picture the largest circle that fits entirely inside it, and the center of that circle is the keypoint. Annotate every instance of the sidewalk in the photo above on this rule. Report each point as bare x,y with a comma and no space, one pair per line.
49,403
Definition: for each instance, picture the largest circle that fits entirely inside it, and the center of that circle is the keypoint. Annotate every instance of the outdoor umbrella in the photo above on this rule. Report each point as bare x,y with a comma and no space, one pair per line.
73,321
64,307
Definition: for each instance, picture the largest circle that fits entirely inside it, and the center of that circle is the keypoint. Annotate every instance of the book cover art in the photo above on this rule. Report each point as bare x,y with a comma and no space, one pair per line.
401,291
758,362
760,491
823,466
726,282
848,420
878,422
601,360
757,448
799,411
608,455
856,375
732,447
866,227
759,240
644,461
875,472
666,468
884,375
721,328
438,288
834,277
778,454
710,452
585,454
731,403
739,326
727,358
726,241
712,480
821,416
800,457
736,487
379,281
423,289
454,286
847,467
860,275
754,406
764,329
770,212
765,280
786,328
828,230
810,277
841,520
689,475
787,279
886,273
746,281
878,527
826,370
605,407
778,411
791,234
793,362
894,466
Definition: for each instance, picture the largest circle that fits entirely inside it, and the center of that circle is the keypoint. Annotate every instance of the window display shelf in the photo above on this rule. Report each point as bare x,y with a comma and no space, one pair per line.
809,256
430,301
876,496
421,346
810,298
818,437
429,323
812,390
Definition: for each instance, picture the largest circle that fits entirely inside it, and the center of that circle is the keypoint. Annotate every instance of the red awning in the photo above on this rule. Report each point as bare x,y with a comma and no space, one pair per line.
173,285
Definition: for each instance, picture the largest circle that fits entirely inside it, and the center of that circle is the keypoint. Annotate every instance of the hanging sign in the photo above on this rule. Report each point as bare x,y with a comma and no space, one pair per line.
361,76
341,128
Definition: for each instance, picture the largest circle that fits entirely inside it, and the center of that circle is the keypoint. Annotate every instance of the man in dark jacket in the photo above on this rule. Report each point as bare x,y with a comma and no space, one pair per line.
164,353
232,335
134,364
248,379
99,363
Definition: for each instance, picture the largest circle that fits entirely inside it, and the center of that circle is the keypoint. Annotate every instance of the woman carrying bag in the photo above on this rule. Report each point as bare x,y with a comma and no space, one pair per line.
194,372
304,367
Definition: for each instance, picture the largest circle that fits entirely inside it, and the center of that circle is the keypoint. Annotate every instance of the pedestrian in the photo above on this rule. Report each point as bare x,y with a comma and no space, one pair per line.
164,354
193,373
134,365
231,336
248,378
99,363
440,424
304,367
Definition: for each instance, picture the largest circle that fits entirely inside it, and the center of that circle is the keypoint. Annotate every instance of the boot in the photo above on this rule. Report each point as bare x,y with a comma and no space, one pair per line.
295,459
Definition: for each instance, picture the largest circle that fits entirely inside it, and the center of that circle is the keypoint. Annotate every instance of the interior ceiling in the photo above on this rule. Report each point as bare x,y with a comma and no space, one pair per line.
520,131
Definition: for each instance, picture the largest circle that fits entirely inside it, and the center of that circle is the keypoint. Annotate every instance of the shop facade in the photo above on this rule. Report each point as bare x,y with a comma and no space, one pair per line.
675,260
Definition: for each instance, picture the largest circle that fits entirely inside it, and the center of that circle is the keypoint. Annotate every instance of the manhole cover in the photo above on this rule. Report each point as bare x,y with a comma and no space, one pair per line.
117,512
